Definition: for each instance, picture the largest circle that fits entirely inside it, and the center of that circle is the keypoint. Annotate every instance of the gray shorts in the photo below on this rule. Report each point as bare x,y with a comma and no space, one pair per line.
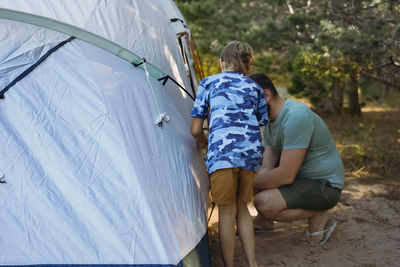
310,194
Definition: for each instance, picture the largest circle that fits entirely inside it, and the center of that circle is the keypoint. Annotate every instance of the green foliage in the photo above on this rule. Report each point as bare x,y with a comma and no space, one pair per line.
311,46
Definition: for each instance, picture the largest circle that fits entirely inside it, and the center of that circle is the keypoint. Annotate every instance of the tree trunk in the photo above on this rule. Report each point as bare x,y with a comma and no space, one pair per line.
353,97
337,97
385,90
334,104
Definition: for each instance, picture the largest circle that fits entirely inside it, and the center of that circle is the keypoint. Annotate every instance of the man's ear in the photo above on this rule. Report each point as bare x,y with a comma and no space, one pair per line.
267,94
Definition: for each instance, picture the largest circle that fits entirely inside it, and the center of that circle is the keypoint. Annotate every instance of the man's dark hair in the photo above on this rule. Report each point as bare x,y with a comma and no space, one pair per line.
264,82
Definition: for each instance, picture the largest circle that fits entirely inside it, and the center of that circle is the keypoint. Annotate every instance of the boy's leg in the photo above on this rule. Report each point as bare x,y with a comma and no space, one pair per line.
226,232
246,232
244,219
224,184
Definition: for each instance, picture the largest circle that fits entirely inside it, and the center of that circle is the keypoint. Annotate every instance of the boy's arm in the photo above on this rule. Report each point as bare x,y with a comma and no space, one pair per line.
197,131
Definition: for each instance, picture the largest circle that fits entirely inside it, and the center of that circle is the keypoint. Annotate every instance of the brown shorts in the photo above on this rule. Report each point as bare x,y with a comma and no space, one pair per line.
227,185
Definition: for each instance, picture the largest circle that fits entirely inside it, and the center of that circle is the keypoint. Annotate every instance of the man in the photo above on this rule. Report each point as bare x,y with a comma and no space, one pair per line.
302,175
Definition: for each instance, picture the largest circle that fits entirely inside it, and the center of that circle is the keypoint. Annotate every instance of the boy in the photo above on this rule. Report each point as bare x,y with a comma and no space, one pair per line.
236,107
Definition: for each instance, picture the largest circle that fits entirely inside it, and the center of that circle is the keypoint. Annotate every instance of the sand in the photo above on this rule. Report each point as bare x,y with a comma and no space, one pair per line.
367,232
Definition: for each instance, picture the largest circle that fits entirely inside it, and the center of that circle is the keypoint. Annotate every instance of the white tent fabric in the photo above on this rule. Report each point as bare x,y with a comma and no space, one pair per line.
16,57
143,27
90,178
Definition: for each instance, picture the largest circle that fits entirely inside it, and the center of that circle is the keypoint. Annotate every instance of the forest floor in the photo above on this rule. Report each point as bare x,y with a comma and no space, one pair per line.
368,212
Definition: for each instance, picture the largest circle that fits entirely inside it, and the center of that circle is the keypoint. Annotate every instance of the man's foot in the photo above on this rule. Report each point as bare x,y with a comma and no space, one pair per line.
316,224
325,234
260,223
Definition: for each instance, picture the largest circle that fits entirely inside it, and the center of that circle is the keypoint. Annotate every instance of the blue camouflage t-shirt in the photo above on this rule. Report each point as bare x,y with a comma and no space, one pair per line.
237,108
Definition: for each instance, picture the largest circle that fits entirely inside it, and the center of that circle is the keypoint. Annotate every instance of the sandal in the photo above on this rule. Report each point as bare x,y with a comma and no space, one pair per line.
329,228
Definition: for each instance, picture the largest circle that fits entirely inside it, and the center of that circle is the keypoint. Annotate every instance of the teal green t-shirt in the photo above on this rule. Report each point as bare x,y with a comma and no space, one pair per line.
298,127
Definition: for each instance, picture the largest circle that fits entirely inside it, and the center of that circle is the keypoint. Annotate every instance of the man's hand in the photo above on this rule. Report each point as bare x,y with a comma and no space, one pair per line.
270,159
289,165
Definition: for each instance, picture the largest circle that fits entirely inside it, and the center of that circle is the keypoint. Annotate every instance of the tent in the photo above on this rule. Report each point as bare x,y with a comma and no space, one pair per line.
97,164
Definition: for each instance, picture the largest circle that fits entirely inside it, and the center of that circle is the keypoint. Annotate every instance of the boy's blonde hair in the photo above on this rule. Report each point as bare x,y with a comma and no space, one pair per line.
237,56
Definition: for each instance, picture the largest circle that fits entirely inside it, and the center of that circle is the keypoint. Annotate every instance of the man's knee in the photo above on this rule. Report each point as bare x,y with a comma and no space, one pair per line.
263,204
269,203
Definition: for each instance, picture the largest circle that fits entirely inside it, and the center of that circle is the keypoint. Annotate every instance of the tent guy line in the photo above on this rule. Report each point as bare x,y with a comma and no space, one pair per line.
31,68
76,32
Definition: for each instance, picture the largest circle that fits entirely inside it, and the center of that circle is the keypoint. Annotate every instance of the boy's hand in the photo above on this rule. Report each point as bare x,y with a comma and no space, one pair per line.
197,131
202,144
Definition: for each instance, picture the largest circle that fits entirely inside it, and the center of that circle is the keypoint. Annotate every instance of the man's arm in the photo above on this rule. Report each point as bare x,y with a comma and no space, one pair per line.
270,159
289,165
197,131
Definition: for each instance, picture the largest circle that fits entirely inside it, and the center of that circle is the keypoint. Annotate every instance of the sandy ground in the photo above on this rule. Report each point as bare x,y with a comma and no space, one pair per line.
367,234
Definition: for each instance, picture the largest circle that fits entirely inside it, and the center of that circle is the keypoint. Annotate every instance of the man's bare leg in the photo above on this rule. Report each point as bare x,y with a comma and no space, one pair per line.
269,161
317,223
271,205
